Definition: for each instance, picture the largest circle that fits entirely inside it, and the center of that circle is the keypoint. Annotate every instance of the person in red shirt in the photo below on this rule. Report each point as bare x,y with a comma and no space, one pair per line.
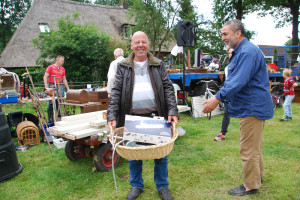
289,93
59,71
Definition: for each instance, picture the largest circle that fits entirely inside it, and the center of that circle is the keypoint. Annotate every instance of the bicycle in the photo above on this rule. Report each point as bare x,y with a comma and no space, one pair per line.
277,102
277,96
209,94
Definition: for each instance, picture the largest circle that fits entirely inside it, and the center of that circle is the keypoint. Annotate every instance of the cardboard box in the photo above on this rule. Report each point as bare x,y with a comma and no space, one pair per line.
147,130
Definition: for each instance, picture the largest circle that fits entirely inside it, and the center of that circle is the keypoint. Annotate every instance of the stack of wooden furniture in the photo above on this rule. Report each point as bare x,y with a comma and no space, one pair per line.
87,101
100,97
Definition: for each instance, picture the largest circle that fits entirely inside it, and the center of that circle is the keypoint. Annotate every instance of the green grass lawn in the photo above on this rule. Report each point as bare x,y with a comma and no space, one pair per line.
199,167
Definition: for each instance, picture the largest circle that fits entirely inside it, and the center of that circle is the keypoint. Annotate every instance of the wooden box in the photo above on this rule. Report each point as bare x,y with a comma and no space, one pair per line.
104,104
95,96
90,108
77,96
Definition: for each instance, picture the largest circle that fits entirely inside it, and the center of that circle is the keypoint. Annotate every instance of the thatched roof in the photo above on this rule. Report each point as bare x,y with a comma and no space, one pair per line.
19,52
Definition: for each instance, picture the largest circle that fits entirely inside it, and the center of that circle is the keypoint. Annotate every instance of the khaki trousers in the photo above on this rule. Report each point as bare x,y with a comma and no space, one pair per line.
251,150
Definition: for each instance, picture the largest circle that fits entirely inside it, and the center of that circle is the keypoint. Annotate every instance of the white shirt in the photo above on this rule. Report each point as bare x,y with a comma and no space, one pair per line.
112,73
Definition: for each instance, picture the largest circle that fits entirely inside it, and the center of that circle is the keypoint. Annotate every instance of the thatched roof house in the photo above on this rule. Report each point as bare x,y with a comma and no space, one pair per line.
19,52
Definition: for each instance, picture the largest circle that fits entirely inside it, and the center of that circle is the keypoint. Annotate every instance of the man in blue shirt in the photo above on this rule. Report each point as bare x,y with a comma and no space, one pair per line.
247,94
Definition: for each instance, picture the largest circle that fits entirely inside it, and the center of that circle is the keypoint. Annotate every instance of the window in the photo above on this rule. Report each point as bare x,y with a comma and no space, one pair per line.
127,32
44,27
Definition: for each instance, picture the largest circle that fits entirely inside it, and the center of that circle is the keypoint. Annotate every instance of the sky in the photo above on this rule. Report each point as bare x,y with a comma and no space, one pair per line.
266,33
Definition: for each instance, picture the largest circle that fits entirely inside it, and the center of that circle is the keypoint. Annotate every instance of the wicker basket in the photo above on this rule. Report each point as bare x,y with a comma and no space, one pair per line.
28,133
146,152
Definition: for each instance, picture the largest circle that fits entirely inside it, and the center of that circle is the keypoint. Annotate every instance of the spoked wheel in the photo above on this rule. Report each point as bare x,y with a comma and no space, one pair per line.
274,103
280,101
74,151
103,158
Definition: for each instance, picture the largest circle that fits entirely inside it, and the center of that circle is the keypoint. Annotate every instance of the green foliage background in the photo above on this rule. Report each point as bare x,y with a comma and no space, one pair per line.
86,51
12,13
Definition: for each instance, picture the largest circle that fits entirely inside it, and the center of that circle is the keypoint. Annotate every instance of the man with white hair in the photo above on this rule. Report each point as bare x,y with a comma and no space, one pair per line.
118,53
142,87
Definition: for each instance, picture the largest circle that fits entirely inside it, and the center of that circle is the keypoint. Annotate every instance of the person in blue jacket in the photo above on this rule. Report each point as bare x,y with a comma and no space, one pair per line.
247,95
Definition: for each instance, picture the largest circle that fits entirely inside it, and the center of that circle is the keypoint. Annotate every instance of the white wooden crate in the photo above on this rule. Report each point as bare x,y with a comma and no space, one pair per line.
197,107
183,108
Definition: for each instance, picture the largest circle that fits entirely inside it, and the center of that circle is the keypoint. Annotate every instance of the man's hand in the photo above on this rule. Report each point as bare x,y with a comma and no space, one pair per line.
112,124
49,91
210,105
173,119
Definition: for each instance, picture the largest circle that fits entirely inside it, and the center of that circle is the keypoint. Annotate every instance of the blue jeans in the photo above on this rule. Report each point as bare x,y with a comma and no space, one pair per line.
225,121
287,106
160,173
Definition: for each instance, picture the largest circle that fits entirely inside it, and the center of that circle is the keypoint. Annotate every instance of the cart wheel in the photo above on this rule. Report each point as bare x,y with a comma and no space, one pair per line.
103,158
74,151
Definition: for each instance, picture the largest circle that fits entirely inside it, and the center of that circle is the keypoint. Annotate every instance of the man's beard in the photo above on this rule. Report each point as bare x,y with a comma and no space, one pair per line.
231,44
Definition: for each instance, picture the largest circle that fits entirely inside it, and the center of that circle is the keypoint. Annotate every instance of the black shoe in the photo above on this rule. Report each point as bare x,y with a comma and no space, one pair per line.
165,194
284,119
241,191
134,193
289,118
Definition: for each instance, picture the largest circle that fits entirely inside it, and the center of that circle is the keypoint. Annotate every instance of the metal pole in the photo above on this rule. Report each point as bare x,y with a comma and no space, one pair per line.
183,87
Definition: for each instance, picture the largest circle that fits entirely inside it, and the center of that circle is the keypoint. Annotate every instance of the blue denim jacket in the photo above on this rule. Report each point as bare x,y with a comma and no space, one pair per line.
247,88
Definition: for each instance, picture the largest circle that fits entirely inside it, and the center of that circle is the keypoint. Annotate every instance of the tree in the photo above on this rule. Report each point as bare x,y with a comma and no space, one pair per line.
11,14
289,43
285,12
234,9
156,18
82,46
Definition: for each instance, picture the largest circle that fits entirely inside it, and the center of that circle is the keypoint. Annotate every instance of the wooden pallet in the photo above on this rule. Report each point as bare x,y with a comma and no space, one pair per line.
80,126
